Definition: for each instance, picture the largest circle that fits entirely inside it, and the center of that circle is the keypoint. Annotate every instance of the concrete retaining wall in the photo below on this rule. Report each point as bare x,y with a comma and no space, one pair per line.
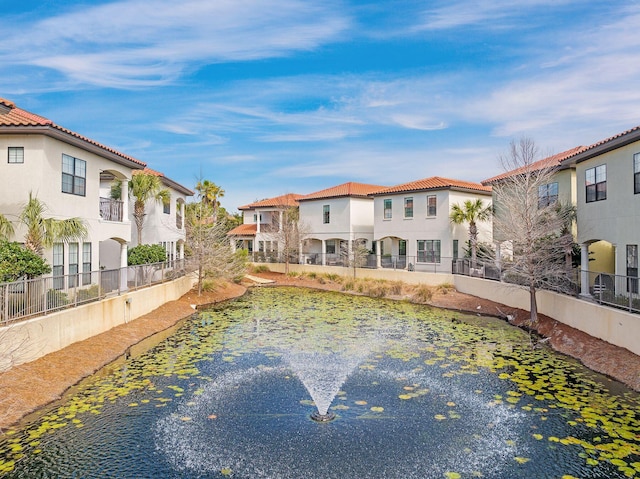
612,325
37,337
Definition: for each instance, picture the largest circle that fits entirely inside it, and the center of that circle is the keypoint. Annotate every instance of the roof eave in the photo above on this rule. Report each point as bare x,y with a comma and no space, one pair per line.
605,147
70,139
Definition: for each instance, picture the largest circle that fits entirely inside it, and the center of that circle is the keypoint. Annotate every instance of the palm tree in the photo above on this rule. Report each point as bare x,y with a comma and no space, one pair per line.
143,187
209,194
472,212
44,232
6,228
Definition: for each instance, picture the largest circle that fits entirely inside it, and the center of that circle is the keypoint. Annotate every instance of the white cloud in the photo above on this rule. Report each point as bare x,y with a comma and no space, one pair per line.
140,43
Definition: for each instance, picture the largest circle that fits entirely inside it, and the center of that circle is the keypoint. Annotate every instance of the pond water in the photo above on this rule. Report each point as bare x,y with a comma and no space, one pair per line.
417,393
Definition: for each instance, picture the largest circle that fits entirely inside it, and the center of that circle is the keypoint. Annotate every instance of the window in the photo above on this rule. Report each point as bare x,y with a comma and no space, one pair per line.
74,174
86,263
330,247
632,268
428,251
326,215
16,154
431,205
73,265
408,207
387,209
58,266
166,207
596,183
455,250
402,248
260,246
636,173
255,217
547,195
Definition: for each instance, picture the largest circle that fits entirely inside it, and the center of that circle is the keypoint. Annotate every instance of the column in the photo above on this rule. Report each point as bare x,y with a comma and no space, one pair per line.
124,197
123,267
324,252
584,270
378,256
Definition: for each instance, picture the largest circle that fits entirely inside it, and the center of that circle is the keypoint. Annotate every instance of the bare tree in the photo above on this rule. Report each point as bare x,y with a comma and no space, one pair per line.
357,256
537,230
289,235
208,246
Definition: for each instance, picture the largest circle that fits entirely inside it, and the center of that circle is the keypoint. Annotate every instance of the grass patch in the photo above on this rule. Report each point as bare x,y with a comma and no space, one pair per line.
421,293
262,268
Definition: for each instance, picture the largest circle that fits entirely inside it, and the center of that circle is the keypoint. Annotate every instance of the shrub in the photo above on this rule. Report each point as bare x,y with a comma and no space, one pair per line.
348,285
88,294
445,288
146,254
262,268
422,294
209,285
396,287
331,276
56,299
312,275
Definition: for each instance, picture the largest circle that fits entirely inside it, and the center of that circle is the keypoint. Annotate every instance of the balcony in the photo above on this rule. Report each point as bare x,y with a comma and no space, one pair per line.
110,209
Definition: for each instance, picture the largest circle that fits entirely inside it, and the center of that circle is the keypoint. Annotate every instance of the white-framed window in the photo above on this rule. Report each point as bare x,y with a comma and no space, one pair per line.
86,263
408,207
15,154
73,265
326,214
260,246
431,205
636,173
255,217
596,183
547,195
428,251
74,175
330,246
57,268
387,209
166,208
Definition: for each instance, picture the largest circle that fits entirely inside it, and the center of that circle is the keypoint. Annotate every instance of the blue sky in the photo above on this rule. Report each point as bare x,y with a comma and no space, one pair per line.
266,98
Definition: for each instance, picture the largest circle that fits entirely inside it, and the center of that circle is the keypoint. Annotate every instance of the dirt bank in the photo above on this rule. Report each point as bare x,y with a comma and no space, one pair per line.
32,385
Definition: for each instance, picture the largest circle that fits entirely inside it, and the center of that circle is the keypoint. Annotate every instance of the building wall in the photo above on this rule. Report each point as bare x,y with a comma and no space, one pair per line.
41,174
424,227
339,226
617,218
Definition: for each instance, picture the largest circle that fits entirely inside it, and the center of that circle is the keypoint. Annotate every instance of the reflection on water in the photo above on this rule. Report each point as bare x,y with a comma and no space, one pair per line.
418,393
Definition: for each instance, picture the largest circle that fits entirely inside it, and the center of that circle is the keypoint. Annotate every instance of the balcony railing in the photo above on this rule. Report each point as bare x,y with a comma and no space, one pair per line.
110,209
41,296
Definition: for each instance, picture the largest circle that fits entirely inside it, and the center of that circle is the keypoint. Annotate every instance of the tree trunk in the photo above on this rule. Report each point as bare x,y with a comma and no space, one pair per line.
473,240
533,305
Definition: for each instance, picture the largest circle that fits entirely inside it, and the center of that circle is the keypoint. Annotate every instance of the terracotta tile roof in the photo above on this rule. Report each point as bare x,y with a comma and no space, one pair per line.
244,230
547,162
165,180
345,189
14,117
632,135
434,183
290,199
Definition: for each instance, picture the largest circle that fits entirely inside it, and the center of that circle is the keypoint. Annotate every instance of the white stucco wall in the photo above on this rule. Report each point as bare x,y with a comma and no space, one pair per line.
424,227
41,174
